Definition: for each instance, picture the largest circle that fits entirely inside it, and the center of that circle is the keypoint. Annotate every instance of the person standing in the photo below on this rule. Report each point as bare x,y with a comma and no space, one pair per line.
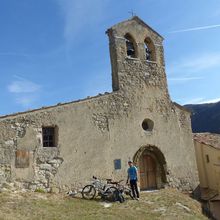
132,176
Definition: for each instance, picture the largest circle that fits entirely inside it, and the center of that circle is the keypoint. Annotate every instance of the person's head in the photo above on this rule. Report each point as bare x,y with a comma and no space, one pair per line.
130,163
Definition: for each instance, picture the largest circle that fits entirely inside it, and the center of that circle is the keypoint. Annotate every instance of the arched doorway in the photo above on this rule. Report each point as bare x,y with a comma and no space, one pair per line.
151,166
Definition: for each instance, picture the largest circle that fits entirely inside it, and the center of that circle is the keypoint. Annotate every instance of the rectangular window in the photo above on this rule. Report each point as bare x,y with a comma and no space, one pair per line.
48,136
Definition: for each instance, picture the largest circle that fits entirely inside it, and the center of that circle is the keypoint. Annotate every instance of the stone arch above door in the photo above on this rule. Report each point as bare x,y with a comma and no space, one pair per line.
154,164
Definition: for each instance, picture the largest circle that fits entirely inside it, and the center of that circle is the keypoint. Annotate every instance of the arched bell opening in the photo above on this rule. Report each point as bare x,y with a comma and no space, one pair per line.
150,52
131,46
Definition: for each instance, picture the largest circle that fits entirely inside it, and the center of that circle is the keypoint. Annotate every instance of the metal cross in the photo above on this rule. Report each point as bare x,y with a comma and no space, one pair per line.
132,13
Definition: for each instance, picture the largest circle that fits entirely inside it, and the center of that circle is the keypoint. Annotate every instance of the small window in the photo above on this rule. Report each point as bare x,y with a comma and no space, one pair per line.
147,125
130,46
149,50
207,158
48,136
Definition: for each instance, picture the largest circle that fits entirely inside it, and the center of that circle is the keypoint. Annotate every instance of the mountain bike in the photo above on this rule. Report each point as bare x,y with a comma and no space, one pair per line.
99,188
124,189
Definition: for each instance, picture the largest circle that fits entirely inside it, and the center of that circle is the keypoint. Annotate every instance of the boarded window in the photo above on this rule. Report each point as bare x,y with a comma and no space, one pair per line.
48,136
117,164
22,159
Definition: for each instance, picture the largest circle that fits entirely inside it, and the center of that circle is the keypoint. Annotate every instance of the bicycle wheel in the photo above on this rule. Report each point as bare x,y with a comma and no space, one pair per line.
88,192
112,194
127,191
111,189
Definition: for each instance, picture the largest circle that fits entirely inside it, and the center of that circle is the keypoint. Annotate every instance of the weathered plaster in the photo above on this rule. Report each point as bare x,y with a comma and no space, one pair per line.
92,133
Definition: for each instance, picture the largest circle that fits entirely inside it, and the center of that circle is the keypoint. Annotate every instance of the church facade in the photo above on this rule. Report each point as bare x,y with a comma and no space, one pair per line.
65,145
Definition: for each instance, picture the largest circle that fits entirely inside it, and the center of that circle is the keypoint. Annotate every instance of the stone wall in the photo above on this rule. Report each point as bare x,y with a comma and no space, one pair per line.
93,133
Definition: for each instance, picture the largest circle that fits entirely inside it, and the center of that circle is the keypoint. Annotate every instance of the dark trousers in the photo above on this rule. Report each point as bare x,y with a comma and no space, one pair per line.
134,188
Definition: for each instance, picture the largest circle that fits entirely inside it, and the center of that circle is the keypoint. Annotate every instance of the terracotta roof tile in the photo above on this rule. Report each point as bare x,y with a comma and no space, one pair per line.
210,139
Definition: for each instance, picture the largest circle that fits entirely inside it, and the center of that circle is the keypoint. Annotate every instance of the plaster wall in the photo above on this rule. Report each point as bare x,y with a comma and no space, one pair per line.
209,171
92,133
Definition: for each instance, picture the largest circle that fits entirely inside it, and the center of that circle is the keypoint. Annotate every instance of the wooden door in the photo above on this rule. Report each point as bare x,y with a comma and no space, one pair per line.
147,171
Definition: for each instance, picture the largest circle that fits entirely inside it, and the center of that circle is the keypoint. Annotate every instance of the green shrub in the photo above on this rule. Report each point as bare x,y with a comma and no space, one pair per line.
39,190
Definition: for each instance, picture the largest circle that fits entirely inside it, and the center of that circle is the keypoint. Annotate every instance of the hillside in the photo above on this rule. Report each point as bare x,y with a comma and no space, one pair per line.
205,117
165,204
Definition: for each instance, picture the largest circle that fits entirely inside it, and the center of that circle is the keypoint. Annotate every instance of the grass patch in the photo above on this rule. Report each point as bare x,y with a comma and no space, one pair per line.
164,204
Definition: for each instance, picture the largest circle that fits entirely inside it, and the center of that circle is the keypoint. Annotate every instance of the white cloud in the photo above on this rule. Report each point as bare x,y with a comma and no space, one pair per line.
195,28
81,15
196,63
193,101
183,79
201,101
24,91
23,86
25,101
210,100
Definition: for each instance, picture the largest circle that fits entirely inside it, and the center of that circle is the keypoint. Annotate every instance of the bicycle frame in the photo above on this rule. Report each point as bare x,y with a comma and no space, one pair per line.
100,186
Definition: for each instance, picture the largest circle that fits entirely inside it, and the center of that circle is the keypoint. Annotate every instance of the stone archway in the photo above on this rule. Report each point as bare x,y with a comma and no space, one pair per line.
151,166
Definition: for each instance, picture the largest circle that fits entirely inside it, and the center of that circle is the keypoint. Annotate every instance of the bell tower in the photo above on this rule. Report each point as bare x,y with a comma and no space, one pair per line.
137,57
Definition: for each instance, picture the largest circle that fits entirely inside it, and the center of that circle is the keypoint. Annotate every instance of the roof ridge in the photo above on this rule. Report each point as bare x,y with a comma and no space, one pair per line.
137,19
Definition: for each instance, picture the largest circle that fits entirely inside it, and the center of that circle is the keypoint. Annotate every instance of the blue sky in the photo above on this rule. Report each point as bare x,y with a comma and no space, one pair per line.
54,51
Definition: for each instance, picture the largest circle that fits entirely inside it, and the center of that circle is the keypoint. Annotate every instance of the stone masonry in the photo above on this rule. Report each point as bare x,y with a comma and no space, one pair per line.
92,133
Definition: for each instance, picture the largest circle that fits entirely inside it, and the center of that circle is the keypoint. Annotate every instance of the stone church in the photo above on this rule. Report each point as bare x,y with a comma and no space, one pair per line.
65,145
